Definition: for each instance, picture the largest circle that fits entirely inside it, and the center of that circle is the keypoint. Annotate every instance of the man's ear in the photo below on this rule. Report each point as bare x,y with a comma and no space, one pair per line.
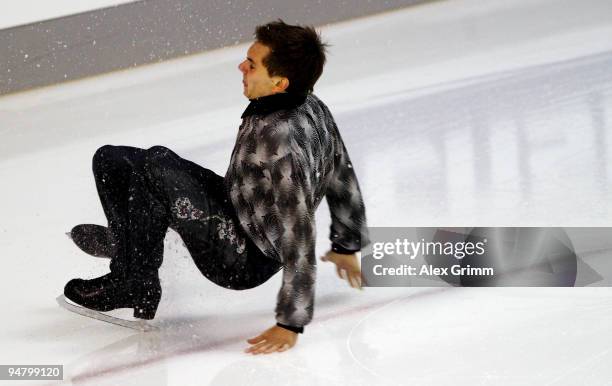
281,84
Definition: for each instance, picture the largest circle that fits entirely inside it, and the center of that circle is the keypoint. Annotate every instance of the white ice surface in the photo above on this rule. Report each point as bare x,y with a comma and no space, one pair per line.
455,113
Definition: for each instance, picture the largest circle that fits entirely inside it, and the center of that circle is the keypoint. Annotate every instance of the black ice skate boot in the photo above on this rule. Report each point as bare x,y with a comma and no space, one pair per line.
95,240
110,292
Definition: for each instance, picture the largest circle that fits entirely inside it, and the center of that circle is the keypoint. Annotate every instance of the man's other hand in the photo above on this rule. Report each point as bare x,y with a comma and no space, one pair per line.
347,267
273,339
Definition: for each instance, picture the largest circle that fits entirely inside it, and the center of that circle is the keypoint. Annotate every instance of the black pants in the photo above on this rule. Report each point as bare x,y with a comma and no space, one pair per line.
143,192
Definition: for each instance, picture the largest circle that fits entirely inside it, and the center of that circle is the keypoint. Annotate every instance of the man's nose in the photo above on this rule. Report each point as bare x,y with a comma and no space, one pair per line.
241,67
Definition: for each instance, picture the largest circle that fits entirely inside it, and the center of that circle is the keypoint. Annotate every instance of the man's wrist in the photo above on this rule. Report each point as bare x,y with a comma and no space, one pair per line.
298,330
337,248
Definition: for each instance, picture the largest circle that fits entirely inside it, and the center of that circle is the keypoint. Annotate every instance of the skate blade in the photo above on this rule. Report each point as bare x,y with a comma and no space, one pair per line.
139,325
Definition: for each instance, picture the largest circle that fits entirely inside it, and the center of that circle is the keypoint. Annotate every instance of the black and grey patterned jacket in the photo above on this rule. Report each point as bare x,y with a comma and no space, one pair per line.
288,156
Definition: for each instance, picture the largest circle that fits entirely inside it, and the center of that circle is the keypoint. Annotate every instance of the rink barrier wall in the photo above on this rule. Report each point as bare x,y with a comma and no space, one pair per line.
142,32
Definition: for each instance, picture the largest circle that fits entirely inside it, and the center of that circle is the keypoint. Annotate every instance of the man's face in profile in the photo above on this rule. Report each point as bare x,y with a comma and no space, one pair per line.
255,78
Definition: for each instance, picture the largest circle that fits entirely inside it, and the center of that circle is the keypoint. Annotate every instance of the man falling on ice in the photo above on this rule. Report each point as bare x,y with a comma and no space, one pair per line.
243,228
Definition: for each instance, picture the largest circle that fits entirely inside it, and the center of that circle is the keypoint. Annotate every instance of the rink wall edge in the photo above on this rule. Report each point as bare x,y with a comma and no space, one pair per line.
143,32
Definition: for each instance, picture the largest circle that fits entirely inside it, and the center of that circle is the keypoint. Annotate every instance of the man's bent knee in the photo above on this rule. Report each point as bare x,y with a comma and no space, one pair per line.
158,151
103,154
158,156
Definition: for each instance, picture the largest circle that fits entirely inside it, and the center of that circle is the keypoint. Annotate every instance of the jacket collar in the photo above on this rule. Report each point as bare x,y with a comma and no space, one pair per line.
271,103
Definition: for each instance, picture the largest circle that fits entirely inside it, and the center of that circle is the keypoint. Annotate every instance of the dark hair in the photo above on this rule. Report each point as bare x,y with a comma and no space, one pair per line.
296,52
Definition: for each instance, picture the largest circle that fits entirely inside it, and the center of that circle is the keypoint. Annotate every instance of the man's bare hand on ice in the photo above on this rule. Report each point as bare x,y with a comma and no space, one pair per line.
274,339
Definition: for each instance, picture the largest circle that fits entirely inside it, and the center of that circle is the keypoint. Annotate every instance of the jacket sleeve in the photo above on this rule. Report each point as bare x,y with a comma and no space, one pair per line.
348,231
279,197
296,243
